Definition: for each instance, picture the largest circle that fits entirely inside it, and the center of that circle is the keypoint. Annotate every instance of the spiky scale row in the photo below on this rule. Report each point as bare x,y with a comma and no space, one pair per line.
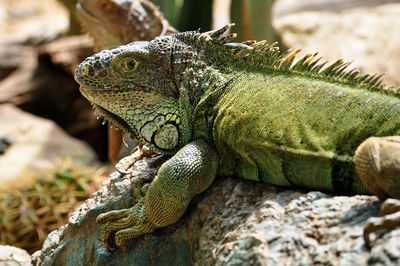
309,65
264,55
105,119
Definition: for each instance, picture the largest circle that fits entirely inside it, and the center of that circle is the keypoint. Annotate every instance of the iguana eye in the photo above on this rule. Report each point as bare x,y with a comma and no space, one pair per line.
129,64
106,6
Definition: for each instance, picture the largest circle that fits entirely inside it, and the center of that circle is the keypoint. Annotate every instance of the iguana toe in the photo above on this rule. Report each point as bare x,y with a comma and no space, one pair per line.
124,166
390,206
126,224
122,236
111,216
391,219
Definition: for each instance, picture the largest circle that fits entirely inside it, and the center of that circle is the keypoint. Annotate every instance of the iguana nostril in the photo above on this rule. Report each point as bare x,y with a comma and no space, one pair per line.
83,70
97,65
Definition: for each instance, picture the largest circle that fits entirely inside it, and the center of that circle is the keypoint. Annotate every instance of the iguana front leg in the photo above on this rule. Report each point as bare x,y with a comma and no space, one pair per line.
189,172
377,162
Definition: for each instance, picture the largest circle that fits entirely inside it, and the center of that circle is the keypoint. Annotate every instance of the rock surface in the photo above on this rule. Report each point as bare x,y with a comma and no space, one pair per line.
235,222
369,36
34,145
40,81
12,256
285,7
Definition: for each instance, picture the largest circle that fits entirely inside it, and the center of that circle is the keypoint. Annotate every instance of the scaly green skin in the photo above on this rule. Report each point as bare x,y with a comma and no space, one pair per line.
240,109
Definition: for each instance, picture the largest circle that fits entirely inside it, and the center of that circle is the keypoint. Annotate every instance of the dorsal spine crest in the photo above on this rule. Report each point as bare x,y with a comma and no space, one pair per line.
267,56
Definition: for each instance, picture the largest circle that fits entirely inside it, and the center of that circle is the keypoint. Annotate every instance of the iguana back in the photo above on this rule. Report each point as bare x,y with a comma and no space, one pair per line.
294,130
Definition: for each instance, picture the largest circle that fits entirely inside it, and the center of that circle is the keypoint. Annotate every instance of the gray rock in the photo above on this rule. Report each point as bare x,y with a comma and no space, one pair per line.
33,147
235,222
285,7
369,36
13,256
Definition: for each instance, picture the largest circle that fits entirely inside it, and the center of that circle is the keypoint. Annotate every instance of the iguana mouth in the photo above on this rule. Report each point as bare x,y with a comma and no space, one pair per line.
86,13
114,120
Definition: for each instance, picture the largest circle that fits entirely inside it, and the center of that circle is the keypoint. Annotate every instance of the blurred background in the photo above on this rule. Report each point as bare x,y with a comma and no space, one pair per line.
53,150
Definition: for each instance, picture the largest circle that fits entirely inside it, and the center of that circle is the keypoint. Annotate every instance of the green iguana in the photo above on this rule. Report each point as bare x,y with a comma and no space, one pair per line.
244,109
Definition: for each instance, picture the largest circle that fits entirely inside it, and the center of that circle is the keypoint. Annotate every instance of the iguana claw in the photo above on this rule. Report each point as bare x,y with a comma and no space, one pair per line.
127,223
391,211
124,166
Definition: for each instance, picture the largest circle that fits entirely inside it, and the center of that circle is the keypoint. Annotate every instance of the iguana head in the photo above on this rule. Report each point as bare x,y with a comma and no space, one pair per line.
146,88
134,87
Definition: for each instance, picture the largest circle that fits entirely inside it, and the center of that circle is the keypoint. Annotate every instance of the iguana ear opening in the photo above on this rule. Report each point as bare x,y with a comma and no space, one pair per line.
166,131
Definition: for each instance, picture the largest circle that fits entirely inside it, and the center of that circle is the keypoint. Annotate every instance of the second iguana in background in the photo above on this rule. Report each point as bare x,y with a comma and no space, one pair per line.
244,109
